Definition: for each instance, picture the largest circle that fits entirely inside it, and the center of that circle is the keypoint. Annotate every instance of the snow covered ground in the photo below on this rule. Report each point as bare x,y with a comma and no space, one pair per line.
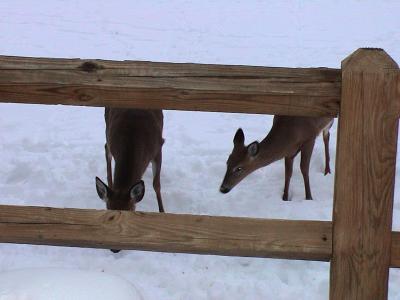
64,284
51,154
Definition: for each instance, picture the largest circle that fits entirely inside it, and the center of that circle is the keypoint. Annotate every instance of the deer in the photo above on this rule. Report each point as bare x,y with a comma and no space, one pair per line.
133,140
288,136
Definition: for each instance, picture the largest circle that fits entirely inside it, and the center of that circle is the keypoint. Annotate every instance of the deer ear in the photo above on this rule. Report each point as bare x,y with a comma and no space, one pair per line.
239,138
253,148
137,191
102,189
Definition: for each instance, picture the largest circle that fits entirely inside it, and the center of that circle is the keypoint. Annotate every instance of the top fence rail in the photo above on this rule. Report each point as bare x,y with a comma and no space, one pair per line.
176,86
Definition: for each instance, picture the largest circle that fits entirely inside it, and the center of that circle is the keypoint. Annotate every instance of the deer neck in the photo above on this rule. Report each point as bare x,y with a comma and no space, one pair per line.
127,172
274,147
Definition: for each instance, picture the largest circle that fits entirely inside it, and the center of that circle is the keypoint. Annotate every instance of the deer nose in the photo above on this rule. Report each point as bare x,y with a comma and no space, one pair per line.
223,189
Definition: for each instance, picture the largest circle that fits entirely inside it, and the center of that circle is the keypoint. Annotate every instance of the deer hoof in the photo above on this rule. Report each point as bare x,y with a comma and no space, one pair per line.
285,198
309,198
327,171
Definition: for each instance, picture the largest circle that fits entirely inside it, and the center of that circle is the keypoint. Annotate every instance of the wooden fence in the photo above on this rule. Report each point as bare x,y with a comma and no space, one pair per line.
365,93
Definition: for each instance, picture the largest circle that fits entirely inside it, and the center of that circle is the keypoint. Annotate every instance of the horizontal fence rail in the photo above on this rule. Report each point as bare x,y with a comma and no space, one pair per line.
177,86
230,236
166,232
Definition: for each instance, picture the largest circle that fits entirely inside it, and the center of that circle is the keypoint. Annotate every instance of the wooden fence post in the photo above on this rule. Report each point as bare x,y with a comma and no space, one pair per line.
364,178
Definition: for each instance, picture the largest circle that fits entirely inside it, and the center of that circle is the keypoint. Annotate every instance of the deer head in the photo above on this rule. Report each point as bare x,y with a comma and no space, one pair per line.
241,162
120,199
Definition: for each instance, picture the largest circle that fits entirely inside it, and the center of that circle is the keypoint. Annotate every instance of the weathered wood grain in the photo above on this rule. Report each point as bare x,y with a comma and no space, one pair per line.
395,250
309,240
364,177
166,232
196,87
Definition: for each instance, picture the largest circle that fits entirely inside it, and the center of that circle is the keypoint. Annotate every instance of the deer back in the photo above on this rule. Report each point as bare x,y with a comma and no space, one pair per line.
297,130
134,138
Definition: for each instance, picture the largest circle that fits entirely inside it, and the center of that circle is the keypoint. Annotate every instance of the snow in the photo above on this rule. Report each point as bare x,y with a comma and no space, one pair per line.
64,284
51,154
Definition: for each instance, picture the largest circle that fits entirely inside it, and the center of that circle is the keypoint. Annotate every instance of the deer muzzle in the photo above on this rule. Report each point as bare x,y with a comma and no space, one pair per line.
224,189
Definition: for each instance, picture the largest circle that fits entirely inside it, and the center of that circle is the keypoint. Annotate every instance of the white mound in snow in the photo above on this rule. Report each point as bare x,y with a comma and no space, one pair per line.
60,284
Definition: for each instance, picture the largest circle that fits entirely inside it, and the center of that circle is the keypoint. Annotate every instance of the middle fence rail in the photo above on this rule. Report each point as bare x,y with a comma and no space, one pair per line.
198,234
230,236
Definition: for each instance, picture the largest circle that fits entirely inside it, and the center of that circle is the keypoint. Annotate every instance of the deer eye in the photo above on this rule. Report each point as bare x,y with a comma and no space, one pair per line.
237,170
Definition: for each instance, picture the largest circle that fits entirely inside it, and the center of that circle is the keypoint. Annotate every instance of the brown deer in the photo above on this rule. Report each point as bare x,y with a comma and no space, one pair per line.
287,137
133,139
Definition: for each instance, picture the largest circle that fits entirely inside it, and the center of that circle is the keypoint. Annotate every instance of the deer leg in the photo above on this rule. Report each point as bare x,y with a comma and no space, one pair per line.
326,136
306,152
288,176
109,169
156,165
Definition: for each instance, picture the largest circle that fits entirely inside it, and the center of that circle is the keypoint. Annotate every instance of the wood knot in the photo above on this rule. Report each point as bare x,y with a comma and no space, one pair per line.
112,216
324,238
84,97
90,67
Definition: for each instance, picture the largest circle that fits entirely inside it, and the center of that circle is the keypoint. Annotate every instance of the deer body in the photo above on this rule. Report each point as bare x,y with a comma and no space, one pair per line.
287,137
133,139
